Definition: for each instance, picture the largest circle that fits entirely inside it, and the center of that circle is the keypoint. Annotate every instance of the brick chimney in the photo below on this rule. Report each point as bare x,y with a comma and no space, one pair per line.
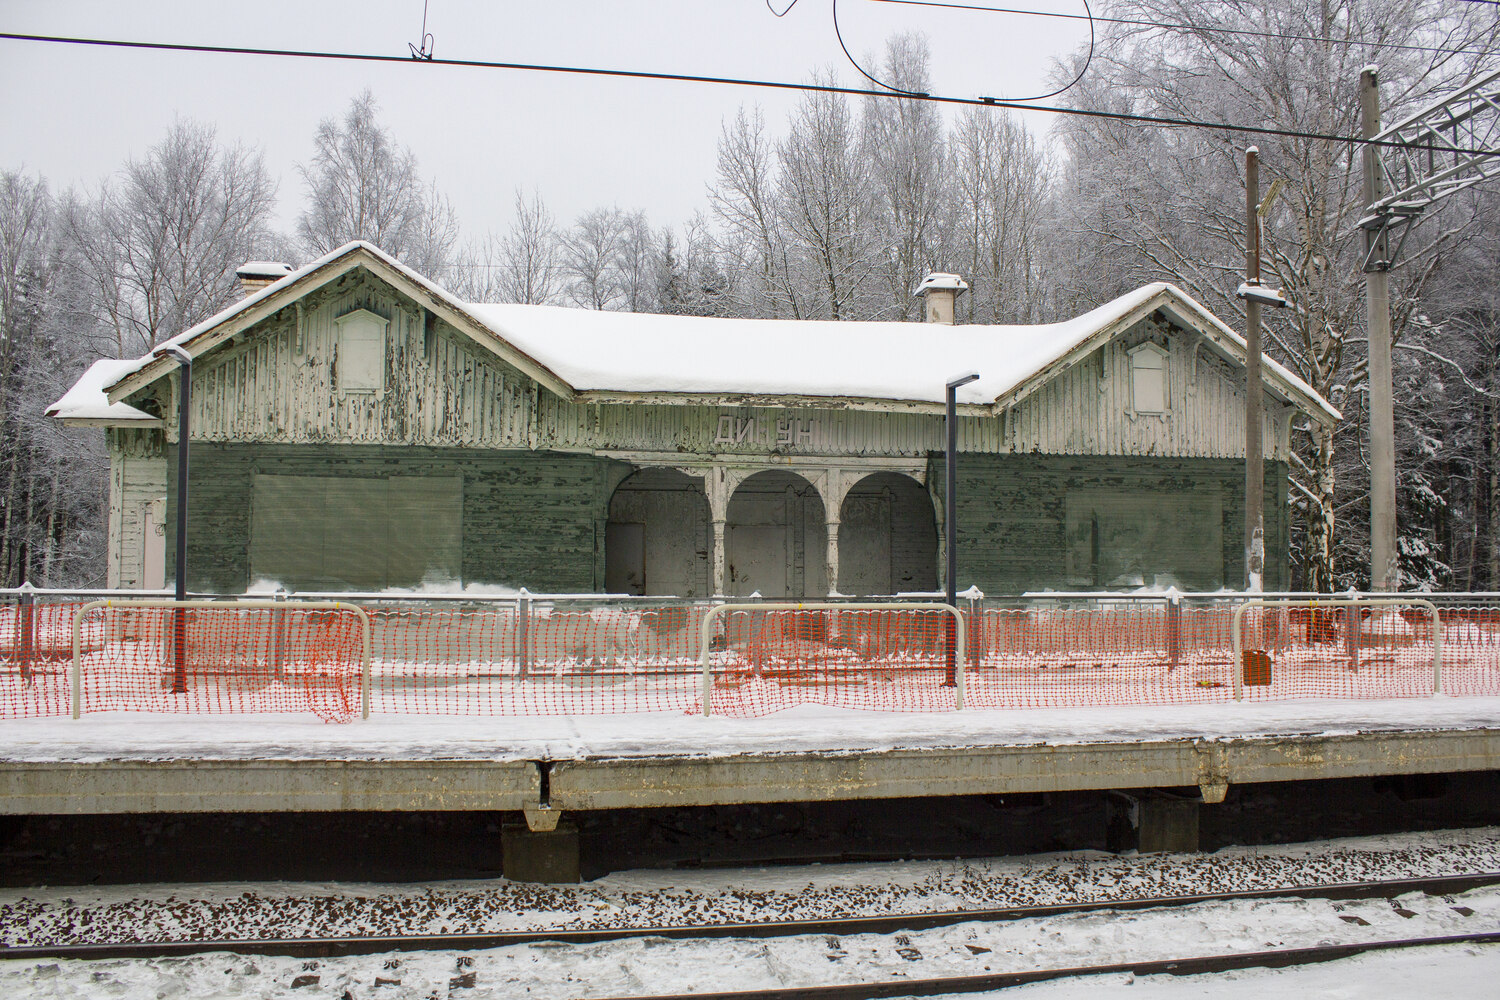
257,274
940,292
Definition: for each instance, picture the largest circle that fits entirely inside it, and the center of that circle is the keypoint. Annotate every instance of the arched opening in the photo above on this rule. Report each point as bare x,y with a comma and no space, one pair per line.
775,539
658,539
887,537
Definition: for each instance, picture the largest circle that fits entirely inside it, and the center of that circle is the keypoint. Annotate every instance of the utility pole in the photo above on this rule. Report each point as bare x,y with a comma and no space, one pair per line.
1255,468
1378,312
1442,149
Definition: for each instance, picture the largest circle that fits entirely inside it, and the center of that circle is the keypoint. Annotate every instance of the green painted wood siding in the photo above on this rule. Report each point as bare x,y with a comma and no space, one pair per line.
1013,513
529,519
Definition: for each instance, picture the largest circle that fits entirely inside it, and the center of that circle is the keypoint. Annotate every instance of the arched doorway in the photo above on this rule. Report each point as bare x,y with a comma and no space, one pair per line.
658,539
887,537
775,539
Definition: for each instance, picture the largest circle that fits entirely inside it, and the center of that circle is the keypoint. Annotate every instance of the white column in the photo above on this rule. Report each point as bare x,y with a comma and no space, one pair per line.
833,557
718,557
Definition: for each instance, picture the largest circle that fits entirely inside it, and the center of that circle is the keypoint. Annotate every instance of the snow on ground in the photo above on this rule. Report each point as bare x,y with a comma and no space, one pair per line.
807,728
1459,970
655,965
657,899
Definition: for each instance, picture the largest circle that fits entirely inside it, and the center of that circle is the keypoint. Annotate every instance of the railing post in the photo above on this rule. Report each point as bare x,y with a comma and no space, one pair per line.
1174,631
1352,622
523,634
960,633
1437,650
1236,643
975,635
278,637
27,623
705,640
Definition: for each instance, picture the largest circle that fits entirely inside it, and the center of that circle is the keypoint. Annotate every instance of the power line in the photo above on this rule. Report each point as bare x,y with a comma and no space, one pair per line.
1347,43
1088,59
987,102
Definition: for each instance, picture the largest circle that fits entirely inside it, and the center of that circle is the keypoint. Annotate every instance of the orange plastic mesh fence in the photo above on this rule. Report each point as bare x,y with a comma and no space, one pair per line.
765,661
211,660
554,657
1382,651
1146,655
542,659
36,655
1471,651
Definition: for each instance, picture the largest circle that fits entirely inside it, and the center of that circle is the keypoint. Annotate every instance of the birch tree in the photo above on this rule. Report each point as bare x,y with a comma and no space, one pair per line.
362,185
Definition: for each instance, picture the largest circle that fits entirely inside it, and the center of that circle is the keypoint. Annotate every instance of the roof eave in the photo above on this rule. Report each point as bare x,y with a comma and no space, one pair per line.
147,423
797,400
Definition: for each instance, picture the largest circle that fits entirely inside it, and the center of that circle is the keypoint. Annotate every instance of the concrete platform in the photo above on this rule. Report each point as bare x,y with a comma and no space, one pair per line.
547,785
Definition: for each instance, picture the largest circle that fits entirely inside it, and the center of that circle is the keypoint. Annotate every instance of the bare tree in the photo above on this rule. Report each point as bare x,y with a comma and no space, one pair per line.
1000,192
747,204
636,264
1150,204
530,252
827,205
904,143
362,185
51,485
590,252
159,245
523,265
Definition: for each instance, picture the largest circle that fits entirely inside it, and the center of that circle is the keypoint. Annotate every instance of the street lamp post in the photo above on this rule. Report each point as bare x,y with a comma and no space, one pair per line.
179,619
950,514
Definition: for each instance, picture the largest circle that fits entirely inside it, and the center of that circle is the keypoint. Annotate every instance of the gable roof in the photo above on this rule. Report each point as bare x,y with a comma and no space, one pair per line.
597,356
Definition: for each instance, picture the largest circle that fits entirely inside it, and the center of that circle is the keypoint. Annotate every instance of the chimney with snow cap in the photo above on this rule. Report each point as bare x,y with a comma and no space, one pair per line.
257,274
940,292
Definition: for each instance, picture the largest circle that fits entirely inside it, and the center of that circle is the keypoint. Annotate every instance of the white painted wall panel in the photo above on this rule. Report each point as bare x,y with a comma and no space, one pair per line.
278,385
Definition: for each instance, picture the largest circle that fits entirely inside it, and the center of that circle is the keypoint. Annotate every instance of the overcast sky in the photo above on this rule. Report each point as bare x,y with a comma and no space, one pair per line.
74,114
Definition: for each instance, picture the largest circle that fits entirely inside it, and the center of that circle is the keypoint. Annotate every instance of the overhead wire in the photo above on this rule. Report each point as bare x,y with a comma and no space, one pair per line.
1168,25
1087,61
404,60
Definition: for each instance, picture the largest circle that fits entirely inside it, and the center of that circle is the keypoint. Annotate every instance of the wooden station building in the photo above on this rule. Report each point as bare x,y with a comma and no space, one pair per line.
355,427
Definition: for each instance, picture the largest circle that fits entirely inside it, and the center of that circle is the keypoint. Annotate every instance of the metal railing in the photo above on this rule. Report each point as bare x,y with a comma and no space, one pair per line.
1355,605
720,610
76,676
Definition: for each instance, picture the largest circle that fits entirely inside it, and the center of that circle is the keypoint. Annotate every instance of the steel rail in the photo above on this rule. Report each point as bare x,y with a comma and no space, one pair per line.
1281,959
325,947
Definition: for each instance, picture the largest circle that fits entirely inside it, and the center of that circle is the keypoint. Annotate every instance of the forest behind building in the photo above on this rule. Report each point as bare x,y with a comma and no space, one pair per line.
837,212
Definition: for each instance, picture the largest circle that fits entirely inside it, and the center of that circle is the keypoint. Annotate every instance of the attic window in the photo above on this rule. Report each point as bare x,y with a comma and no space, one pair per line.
360,360
1148,379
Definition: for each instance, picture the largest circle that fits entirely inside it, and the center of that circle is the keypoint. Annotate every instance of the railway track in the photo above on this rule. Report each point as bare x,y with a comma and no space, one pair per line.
1279,959
329,947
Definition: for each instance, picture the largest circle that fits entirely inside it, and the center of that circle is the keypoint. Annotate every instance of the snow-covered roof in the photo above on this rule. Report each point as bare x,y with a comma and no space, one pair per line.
627,354
86,400
622,352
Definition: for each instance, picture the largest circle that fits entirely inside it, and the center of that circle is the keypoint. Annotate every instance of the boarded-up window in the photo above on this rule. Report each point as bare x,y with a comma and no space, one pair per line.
1148,379
345,533
361,351
1119,541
